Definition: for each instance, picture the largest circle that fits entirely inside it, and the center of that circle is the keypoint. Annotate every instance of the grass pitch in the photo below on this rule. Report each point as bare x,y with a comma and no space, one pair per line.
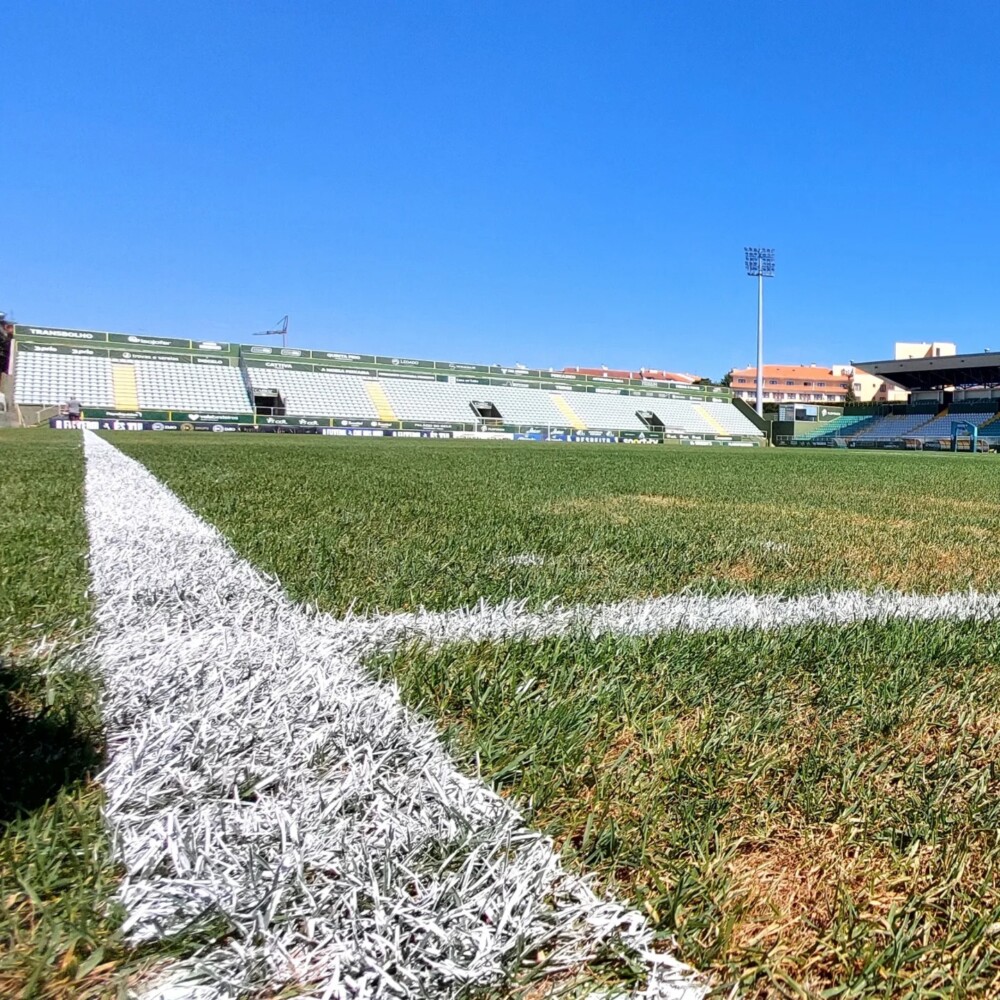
807,812
57,928
387,525
810,812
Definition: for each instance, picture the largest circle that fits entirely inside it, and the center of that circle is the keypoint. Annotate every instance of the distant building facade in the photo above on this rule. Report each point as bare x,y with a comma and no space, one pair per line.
653,374
871,388
922,349
790,384
813,384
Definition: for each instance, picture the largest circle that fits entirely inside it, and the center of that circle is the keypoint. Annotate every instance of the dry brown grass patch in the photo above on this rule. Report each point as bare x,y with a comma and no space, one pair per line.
789,883
619,508
626,746
672,502
741,571
977,507
684,726
610,508
934,735
977,531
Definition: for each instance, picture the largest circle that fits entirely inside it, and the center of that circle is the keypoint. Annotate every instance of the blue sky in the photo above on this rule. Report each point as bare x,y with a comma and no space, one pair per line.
543,183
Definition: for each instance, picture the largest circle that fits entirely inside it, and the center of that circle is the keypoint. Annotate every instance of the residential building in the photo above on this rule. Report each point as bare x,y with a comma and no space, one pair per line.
813,384
790,383
871,388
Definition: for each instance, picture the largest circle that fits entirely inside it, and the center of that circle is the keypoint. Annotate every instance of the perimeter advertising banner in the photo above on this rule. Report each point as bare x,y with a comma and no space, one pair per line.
47,333
108,424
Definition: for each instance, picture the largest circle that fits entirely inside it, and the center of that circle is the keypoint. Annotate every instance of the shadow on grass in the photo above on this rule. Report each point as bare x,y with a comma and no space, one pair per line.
50,738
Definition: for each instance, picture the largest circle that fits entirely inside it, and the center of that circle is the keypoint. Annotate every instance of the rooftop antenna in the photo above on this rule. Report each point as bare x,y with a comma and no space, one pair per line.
281,330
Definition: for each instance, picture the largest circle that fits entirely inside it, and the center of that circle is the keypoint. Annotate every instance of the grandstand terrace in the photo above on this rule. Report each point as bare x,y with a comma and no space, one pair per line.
161,383
948,394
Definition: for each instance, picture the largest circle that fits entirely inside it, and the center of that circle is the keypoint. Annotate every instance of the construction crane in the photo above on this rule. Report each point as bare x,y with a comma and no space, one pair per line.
281,330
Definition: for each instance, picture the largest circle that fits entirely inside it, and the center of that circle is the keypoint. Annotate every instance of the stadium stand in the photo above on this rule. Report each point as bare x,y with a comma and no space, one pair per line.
432,401
565,406
599,410
732,421
892,426
992,426
124,385
50,379
413,400
163,386
843,426
159,381
305,393
380,400
940,427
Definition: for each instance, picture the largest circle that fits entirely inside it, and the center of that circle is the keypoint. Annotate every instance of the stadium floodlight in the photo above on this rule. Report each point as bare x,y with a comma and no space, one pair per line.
760,265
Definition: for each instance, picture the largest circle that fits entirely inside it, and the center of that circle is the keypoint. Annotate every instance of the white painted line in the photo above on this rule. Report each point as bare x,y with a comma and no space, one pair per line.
671,613
266,796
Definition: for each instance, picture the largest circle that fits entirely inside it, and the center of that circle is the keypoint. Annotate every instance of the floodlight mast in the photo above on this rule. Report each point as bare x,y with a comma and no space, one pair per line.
760,265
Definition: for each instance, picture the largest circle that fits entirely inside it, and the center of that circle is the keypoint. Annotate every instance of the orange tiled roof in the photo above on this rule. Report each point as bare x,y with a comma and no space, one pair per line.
800,373
651,373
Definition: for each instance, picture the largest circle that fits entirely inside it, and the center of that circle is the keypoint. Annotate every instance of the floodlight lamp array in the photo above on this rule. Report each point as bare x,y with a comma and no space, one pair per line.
760,261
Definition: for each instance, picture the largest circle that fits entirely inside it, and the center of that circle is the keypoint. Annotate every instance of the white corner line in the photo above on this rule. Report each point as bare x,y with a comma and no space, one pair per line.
260,781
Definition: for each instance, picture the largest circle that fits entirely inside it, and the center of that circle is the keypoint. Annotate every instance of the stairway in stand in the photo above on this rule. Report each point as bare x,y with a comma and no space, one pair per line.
124,386
562,405
380,401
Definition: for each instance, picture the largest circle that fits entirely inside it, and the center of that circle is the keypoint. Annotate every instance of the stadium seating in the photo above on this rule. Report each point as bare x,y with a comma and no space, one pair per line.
992,426
308,394
892,426
350,396
600,411
843,426
940,427
413,400
164,386
615,412
726,414
433,401
186,380
50,379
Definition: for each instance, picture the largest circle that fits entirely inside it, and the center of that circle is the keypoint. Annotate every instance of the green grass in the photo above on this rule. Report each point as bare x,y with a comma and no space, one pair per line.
43,571
808,812
399,524
57,930
812,812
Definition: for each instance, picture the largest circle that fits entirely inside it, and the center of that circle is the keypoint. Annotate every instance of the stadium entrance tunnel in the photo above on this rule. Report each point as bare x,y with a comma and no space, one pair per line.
485,410
268,403
650,419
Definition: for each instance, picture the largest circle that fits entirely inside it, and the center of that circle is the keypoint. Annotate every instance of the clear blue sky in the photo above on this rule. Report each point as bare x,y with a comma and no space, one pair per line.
543,183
